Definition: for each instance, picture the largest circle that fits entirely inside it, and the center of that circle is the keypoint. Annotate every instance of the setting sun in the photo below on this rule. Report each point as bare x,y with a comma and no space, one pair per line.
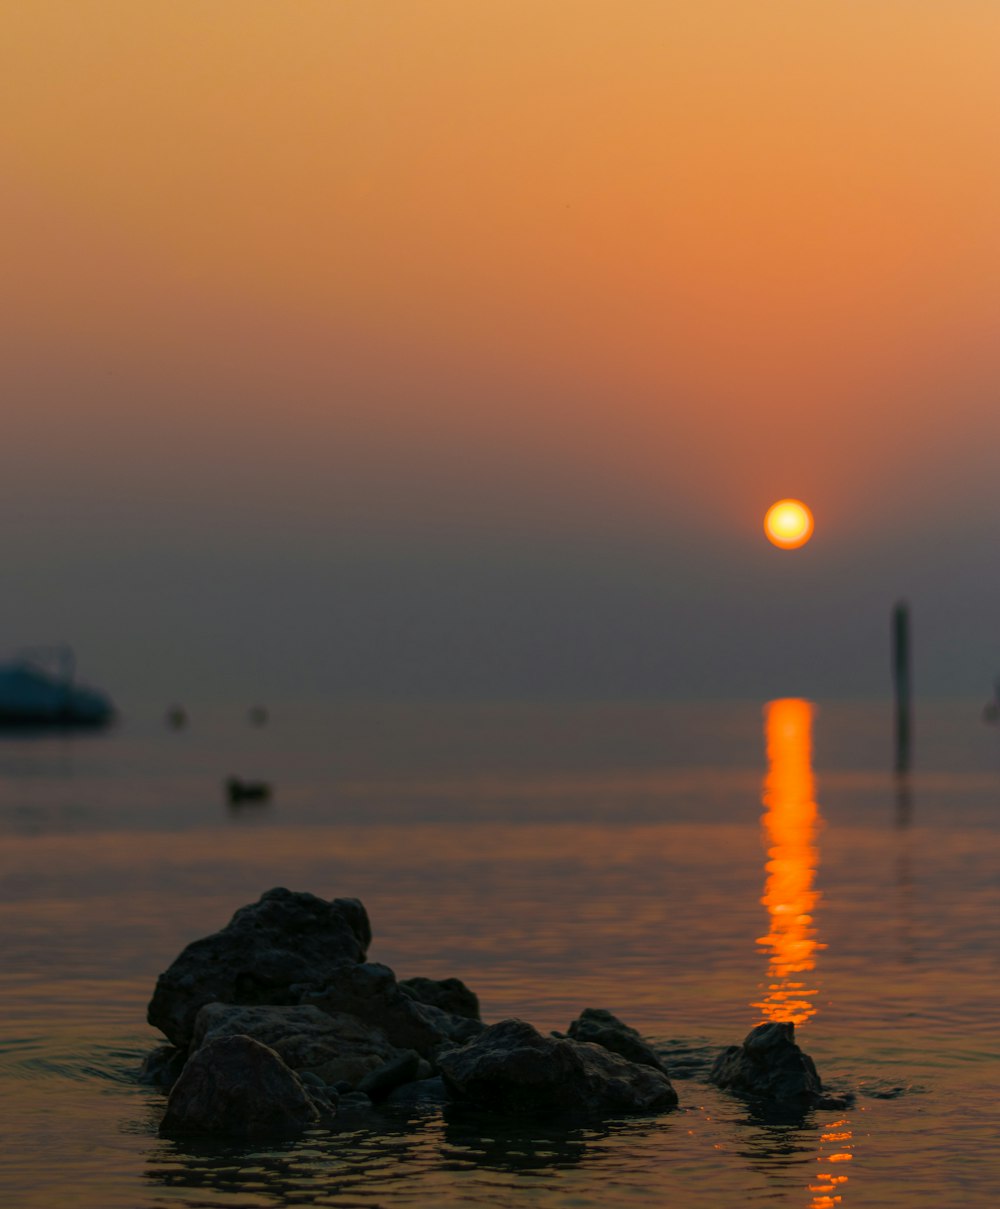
788,524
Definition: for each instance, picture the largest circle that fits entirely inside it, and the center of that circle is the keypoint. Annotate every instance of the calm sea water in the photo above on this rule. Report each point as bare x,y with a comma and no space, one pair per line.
555,858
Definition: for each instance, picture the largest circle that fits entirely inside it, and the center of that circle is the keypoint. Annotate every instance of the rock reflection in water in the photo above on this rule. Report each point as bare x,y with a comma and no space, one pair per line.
352,1165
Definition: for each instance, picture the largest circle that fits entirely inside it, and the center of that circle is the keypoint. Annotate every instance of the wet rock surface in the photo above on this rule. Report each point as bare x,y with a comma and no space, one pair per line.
285,940
236,1087
769,1066
512,1068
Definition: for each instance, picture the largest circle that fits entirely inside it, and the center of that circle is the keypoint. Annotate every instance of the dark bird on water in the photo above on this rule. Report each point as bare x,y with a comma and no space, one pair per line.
247,791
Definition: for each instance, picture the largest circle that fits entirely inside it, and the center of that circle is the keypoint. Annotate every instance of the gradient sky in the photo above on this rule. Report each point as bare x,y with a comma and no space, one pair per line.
437,348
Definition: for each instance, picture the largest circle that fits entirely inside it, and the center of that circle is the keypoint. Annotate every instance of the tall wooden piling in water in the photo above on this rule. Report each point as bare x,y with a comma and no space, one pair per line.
901,682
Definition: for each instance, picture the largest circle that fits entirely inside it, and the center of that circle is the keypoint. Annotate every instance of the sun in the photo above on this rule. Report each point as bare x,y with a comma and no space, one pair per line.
788,524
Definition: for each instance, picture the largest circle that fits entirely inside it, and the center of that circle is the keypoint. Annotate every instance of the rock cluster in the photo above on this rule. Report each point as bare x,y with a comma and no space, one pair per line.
278,1022
511,1068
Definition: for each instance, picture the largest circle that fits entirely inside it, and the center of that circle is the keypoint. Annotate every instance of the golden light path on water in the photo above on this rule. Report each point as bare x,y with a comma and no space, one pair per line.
791,818
791,823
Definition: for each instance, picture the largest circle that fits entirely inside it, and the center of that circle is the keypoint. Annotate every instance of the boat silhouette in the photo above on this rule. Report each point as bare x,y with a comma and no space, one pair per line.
38,689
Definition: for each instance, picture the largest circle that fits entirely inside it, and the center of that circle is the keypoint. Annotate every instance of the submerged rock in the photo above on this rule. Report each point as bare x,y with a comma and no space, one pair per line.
770,1066
602,1028
286,940
335,1048
511,1068
236,1087
370,991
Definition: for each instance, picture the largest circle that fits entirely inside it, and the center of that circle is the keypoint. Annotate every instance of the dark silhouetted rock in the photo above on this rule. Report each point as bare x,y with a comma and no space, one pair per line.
770,1066
162,1066
336,1048
370,991
404,1069
449,994
511,1068
602,1028
236,1087
283,941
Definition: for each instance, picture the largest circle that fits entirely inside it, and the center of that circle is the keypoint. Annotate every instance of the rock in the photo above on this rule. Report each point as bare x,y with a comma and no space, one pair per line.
162,1066
602,1028
511,1068
379,1083
335,1048
286,939
423,1091
236,1087
449,994
353,1102
370,991
770,1066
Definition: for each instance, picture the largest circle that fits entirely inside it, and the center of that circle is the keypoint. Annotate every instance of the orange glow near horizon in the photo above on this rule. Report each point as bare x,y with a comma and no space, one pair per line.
791,820
788,524
413,260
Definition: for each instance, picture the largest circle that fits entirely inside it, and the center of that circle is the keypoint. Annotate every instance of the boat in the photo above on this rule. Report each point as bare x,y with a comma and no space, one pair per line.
38,689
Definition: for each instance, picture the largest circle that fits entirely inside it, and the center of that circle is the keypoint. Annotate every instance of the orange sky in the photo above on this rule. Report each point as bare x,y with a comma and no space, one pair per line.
559,266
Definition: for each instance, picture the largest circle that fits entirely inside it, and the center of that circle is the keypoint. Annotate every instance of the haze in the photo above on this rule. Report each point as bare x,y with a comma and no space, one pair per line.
457,349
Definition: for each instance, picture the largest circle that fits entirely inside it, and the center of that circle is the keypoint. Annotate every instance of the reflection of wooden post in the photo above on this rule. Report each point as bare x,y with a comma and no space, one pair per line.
901,681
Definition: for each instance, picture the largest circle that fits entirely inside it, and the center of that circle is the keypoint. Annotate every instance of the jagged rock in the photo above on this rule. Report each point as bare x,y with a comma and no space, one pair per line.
449,994
370,991
335,1048
770,1066
602,1028
511,1068
283,941
236,1087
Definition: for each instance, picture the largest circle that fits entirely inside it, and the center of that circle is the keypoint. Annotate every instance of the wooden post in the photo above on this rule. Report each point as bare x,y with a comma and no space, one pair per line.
901,682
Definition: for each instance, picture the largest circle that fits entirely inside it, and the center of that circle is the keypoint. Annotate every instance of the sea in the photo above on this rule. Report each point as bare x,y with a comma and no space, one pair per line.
694,868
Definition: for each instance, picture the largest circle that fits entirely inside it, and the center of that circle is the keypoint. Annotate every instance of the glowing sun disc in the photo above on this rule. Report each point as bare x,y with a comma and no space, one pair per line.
788,524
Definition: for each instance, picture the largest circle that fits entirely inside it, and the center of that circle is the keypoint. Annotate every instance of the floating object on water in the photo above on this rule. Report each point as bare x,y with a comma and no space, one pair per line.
258,715
37,689
177,717
247,791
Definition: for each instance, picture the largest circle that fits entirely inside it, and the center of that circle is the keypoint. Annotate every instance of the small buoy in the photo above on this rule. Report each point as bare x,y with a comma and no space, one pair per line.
177,717
258,715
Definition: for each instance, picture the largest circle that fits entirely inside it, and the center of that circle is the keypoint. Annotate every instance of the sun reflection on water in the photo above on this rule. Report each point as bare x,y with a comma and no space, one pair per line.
791,820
